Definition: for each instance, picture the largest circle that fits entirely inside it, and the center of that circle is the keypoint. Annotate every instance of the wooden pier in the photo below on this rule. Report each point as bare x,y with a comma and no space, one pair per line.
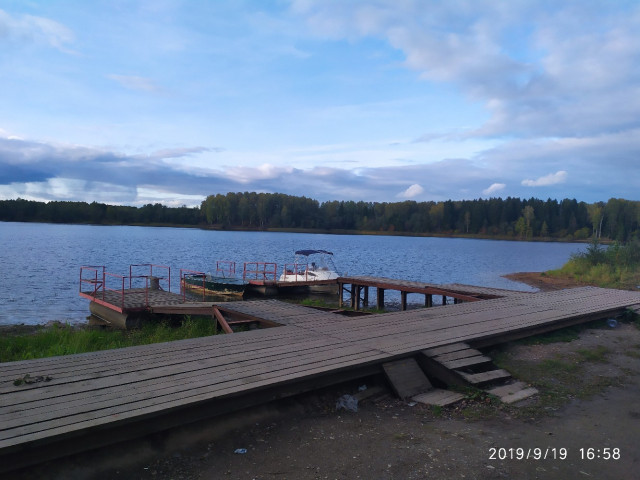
90,400
359,291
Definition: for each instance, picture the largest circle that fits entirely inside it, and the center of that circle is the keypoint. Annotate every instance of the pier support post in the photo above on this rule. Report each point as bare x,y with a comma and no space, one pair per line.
380,298
444,299
355,296
428,300
365,299
340,287
403,300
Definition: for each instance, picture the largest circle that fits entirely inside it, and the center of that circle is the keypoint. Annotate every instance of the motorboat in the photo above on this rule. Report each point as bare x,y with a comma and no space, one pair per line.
310,266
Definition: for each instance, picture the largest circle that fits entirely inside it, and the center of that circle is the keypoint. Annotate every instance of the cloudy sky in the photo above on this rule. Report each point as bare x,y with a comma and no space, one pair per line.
131,102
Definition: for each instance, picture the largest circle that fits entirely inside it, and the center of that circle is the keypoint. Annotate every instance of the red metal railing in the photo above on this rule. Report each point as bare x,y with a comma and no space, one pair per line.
152,273
94,277
192,274
225,269
101,282
296,270
259,271
119,279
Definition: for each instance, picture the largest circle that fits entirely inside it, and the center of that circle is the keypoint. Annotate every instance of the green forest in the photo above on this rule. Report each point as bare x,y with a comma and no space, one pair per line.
514,218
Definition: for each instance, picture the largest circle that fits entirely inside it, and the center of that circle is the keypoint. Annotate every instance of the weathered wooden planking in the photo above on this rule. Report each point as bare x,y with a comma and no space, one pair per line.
438,397
119,404
139,356
156,405
406,377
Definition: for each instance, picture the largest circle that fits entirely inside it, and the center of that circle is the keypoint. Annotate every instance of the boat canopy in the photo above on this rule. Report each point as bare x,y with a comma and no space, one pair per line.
306,253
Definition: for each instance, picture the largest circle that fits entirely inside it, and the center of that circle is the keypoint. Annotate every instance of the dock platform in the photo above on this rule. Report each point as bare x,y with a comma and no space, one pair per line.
91,400
360,285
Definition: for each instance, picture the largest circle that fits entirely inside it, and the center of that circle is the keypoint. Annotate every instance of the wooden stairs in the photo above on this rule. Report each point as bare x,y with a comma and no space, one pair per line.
456,364
459,364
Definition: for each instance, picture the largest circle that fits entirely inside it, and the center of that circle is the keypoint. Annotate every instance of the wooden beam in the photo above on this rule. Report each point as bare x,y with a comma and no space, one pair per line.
221,320
354,294
428,300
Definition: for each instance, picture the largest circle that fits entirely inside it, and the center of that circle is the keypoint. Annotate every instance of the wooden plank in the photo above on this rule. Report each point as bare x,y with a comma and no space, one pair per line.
513,392
485,377
221,320
438,397
458,354
465,362
406,377
434,352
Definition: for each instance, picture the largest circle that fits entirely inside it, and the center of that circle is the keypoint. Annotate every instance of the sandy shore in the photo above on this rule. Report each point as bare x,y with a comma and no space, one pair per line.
542,281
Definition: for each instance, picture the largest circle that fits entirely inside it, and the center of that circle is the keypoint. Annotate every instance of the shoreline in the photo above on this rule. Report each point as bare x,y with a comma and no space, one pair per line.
544,282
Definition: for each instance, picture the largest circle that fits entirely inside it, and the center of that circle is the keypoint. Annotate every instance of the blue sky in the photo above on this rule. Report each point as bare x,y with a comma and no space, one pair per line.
132,102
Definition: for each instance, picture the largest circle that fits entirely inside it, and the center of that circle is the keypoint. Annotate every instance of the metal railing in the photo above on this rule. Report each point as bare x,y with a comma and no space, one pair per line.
225,269
111,288
94,277
293,271
152,277
194,276
263,271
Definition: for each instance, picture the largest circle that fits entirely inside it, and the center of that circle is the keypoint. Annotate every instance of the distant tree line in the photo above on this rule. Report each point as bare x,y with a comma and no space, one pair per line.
567,219
96,213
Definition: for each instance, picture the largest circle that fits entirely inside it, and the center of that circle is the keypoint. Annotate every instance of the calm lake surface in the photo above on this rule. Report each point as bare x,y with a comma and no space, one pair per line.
40,263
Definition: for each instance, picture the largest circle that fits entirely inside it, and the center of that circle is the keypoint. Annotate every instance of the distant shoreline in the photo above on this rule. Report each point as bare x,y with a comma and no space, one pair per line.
316,231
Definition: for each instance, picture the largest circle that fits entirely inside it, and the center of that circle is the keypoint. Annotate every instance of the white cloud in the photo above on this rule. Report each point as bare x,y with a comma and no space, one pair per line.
411,192
266,171
551,179
29,28
494,188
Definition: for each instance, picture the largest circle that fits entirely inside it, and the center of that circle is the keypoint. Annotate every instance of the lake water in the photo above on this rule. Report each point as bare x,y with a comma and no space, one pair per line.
40,263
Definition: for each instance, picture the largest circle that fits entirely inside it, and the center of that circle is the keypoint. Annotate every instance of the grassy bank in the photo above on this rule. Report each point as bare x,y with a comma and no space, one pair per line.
67,340
617,266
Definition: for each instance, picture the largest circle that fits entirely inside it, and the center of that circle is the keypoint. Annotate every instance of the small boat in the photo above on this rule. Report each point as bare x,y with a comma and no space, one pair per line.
224,282
310,266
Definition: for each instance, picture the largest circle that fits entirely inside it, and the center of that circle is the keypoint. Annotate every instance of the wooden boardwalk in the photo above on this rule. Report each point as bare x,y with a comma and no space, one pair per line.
90,400
360,285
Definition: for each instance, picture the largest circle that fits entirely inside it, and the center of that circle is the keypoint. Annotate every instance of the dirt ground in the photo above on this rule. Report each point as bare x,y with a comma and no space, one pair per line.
587,406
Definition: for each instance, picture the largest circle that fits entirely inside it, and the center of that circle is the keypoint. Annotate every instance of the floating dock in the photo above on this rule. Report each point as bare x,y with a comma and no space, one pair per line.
87,401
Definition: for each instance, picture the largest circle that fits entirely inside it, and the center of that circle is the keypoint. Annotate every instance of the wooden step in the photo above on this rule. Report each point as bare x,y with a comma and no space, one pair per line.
467,362
434,352
484,377
406,377
438,397
513,392
467,352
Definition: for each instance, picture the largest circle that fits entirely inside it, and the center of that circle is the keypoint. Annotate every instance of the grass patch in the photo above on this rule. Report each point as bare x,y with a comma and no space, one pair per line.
613,267
558,379
68,340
